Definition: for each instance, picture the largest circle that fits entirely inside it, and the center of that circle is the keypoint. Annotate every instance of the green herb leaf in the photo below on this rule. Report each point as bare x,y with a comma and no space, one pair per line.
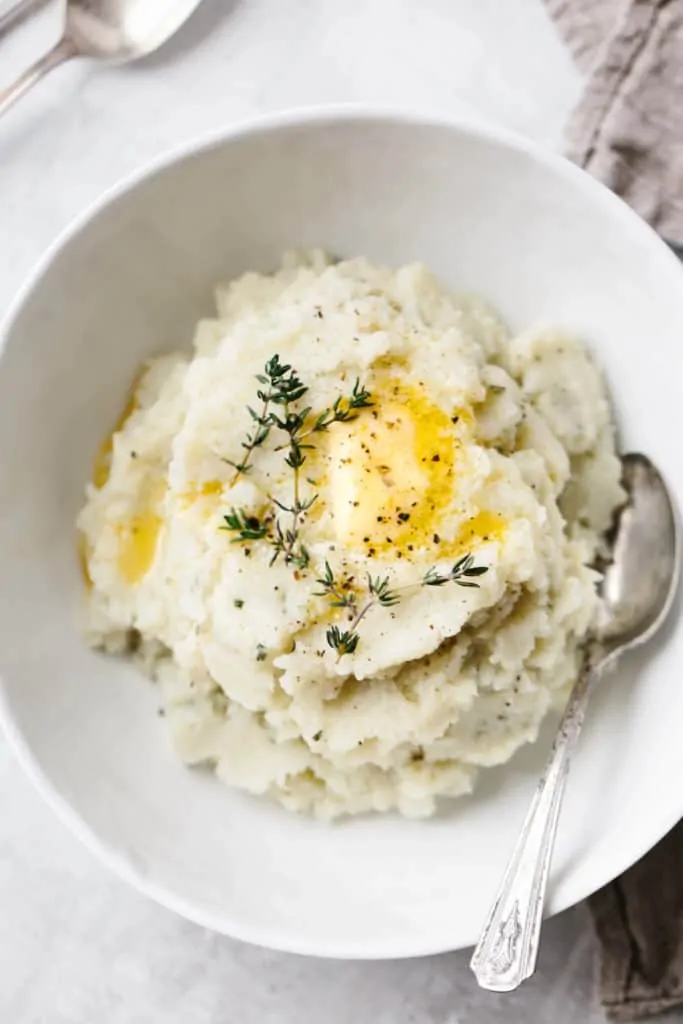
432,579
343,642
381,591
247,527
461,573
344,409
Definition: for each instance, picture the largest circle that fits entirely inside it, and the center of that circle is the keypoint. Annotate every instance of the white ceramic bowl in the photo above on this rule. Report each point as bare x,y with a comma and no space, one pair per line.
532,234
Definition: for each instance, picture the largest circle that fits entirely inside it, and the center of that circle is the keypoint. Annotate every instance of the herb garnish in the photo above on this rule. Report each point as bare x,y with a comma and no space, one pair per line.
343,642
463,568
343,595
286,541
280,387
247,527
343,410
339,594
283,387
378,592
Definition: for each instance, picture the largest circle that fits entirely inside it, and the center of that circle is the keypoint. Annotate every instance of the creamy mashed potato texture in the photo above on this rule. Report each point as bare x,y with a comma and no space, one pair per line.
351,535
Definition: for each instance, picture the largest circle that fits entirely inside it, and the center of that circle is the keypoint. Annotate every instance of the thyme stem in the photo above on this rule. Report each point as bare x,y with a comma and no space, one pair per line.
380,592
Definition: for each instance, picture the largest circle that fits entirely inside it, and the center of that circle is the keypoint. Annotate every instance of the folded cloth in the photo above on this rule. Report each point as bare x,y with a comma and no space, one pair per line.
639,923
628,128
628,131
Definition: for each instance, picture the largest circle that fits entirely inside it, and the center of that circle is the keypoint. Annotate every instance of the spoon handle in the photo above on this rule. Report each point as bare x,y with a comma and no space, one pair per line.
63,51
506,953
13,16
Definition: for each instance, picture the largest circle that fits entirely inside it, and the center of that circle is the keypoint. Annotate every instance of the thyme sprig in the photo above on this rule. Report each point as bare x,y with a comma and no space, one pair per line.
379,592
280,386
344,409
342,641
461,574
287,541
340,594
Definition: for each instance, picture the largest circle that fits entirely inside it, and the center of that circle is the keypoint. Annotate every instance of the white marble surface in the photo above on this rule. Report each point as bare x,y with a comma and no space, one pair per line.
77,946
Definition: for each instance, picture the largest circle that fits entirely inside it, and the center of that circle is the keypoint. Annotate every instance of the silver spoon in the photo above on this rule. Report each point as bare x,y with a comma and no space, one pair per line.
637,593
116,31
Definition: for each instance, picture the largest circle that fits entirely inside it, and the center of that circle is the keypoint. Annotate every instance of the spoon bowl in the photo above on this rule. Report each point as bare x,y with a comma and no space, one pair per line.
113,31
641,580
123,30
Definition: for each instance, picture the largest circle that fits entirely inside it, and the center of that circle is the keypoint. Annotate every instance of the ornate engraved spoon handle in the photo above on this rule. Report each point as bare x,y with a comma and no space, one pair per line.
506,953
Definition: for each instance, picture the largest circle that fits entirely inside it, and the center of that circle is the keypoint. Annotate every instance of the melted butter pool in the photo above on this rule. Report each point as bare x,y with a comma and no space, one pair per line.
390,472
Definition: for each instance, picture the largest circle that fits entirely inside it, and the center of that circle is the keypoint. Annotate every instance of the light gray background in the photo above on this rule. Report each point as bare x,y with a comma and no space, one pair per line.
77,946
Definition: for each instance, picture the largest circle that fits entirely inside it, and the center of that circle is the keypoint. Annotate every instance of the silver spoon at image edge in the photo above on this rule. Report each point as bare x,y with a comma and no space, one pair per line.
116,31
637,592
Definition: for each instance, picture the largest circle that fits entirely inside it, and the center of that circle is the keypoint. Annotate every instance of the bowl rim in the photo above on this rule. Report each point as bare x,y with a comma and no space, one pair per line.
316,115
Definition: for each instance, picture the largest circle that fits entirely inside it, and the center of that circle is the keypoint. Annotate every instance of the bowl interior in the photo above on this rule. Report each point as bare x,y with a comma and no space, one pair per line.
541,242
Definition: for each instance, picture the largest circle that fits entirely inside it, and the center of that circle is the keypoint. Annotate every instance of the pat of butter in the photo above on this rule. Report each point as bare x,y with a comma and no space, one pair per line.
375,477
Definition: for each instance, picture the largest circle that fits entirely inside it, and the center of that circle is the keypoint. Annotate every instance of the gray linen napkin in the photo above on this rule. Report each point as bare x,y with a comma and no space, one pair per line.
628,131
639,922
628,128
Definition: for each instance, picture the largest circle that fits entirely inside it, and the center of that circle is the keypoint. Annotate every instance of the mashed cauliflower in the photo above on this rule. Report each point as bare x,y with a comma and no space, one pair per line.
364,630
